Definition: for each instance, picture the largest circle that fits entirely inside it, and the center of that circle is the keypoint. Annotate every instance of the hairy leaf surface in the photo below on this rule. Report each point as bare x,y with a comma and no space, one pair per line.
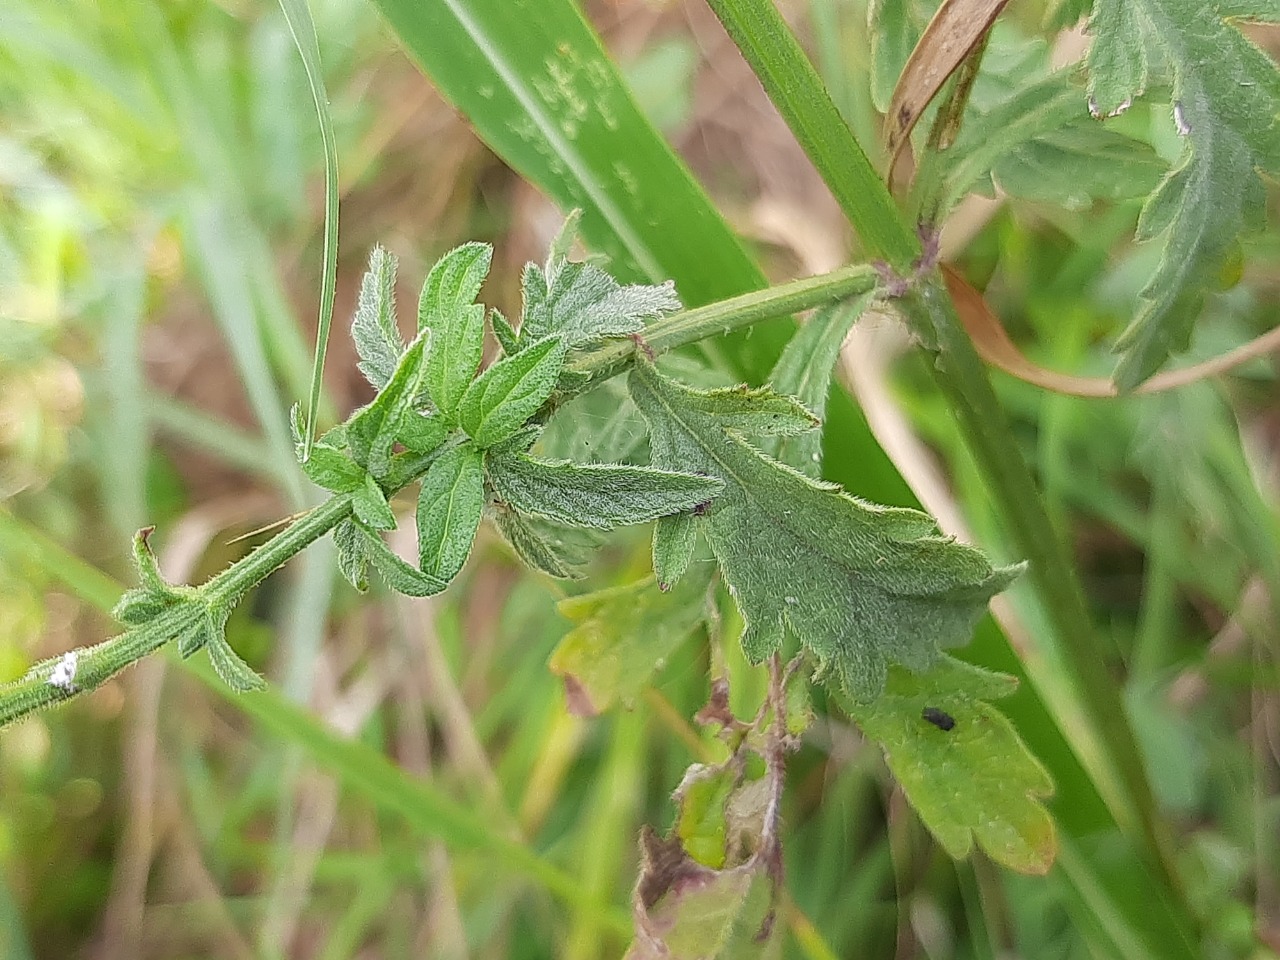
377,338
580,303
602,495
555,549
449,509
373,432
501,399
861,585
974,782
1226,96
447,307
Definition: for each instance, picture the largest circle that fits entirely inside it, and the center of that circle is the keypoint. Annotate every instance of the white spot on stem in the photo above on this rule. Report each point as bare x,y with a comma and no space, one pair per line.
63,674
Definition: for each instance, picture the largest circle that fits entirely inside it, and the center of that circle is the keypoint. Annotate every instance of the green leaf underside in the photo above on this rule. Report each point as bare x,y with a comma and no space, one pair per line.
377,338
861,585
1226,94
449,508
400,576
974,782
804,372
447,308
674,540
622,635
552,548
596,495
581,303
235,673
353,554
510,391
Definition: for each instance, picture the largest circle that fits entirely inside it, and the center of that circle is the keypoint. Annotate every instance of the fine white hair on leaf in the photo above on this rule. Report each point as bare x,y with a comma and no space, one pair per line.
63,674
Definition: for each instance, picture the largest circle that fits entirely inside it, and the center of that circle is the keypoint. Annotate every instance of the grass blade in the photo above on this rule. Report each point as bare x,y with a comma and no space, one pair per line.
303,29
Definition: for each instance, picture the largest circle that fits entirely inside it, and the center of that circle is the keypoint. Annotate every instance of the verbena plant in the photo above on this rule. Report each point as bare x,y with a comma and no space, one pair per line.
868,598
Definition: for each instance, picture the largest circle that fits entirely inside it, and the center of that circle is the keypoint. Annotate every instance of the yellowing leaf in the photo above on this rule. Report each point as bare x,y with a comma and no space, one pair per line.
621,637
963,767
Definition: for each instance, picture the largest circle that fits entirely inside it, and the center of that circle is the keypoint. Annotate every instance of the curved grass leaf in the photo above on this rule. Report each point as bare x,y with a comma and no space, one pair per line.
862,586
603,495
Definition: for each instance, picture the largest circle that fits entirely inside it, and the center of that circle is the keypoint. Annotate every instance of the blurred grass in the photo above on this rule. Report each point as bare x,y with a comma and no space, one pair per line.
160,224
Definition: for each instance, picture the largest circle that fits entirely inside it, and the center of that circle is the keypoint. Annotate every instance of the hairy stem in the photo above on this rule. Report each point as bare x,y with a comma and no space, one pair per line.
94,665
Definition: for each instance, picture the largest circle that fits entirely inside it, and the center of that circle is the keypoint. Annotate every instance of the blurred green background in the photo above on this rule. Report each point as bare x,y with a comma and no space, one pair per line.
161,203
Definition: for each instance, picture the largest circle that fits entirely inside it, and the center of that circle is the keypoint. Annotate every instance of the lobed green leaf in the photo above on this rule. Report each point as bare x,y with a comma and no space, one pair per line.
447,308
621,636
861,585
552,548
1226,95
962,765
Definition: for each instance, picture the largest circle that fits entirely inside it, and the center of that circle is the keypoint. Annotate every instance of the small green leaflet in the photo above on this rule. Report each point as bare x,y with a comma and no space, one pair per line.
373,432
861,585
804,372
447,307
974,782
377,338
580,303
449,508
400,576
235,673
621,636
353,555
552,548
674,540
604,495
509,392
1226,97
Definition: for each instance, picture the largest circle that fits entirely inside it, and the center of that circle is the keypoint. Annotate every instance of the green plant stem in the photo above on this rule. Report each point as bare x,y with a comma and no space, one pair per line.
98,663
962,378
796,90
794,87
690,326
426,808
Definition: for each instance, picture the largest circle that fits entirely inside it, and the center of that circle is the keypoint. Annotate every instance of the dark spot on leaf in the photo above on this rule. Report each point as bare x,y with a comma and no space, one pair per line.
939,718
